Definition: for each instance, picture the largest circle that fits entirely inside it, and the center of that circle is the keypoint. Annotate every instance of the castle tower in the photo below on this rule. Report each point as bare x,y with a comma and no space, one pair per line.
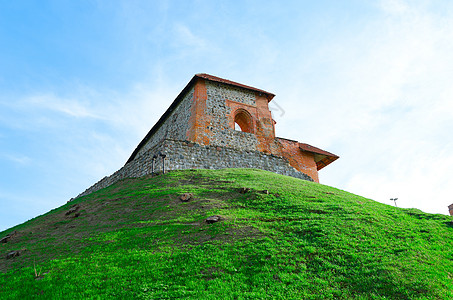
206,112
198,132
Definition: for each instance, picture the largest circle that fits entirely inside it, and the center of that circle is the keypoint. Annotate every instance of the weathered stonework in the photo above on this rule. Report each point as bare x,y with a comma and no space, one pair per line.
176,126
220,93
188,155
198,132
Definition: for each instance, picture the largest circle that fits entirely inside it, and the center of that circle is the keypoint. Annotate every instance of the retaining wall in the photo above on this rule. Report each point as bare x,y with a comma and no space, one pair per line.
189,155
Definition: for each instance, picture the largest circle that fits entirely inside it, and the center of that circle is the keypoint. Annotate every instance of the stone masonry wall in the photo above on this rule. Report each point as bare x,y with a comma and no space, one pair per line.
189,155
175,127
224,92
205,115
220,132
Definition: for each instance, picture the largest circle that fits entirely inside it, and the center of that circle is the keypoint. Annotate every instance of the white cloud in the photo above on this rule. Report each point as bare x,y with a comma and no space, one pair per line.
70,107
383,102
186,37
394,6
378,93
133,110
75,140
415,73
17,158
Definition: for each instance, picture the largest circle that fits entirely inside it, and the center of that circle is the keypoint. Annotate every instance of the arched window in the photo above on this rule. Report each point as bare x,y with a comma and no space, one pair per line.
243,121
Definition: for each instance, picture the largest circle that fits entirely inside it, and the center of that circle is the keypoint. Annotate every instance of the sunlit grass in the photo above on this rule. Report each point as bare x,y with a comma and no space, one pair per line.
301,240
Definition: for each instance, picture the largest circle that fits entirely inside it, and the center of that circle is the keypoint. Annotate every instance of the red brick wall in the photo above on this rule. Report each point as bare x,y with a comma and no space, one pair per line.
199,119
236,108
265,130
300,160
262,123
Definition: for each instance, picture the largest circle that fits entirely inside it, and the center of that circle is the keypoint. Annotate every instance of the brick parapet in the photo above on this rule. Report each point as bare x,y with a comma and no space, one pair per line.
302,161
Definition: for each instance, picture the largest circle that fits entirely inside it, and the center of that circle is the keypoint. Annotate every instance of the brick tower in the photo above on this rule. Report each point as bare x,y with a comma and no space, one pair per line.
198,131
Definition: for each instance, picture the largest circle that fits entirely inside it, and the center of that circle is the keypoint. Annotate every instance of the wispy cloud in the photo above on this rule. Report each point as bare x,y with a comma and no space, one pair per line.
373,87
70,107
186,37
394,6
17,158
133,109
391,109
73,141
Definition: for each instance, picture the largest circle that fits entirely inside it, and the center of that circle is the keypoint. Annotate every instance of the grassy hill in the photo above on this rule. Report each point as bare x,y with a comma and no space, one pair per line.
283,239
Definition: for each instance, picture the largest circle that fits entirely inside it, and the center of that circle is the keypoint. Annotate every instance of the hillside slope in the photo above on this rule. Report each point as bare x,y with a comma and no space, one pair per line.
283,239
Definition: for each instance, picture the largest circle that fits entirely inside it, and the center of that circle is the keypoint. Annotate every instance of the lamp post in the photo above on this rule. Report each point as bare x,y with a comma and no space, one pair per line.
394,200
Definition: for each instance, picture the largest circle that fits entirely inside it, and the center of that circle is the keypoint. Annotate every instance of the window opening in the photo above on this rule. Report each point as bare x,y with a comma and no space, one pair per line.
243,121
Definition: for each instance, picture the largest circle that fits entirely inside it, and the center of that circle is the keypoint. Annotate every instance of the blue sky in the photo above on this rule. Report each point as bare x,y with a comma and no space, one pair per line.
81,82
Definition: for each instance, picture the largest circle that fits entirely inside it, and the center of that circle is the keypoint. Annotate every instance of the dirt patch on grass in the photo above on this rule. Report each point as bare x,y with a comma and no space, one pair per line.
61,233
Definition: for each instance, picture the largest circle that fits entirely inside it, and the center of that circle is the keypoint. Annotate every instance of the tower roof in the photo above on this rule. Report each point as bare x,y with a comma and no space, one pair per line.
322,157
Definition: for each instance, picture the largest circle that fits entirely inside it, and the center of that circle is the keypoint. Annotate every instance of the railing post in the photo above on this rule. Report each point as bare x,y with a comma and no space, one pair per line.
153,163
163,155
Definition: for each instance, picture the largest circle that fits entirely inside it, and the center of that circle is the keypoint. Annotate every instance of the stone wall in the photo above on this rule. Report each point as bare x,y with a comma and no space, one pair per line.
175,127
222,92
199,134
189,155
219,131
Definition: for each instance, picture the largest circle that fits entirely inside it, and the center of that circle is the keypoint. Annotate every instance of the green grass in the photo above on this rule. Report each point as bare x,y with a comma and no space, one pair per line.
136,240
